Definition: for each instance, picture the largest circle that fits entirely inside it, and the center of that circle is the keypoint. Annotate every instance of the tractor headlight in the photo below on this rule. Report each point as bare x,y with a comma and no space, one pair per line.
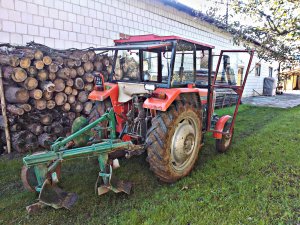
150,87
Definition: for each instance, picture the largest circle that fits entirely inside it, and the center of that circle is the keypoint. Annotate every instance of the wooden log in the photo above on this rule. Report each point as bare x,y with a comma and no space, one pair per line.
88,77
80,71
42,75
24,141
77,107
71,116
83,96
46,119
25,62
69,63
68,90
88,67
83,56
53,68
66,107
38,55
19,75
98,66
26,107
39,64
47,60
47,95
89,87
48,86
36,94
60,98
40,104
30,83
8,72
92,55
35,128
74,92
87,108
32,71
71,99
50,104
77,62
14,110
47,129
9,60
45,140
58,60
15,127
78,83
16,95
70,82
63,73
52,76
73,73
57,128
59,85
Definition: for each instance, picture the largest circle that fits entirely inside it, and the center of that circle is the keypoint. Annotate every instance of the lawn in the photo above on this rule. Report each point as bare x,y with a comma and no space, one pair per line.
256,182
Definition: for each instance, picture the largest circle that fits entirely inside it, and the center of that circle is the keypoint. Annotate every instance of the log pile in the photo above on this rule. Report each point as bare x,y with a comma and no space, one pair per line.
45,90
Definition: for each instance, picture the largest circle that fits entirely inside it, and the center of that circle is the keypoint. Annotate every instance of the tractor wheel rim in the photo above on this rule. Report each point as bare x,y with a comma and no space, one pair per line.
184,144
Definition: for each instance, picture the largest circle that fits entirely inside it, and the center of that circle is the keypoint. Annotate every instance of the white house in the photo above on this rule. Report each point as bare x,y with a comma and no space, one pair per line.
86,23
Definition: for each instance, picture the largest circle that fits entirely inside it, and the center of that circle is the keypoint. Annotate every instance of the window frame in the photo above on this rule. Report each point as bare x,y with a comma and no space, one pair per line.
257,69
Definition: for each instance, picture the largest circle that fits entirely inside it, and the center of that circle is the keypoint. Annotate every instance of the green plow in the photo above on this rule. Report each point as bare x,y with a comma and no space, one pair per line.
41,171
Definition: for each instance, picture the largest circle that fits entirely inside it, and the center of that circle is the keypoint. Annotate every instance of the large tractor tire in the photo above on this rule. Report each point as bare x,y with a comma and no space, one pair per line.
174,140
223,144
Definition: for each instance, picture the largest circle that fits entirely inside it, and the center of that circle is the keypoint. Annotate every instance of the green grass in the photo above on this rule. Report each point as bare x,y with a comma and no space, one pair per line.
256,182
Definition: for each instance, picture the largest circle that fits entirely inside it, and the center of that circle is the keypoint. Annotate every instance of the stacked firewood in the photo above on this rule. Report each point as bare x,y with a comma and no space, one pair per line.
45,90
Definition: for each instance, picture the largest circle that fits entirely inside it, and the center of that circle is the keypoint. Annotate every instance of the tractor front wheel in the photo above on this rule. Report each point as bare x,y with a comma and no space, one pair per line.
223,144
174,141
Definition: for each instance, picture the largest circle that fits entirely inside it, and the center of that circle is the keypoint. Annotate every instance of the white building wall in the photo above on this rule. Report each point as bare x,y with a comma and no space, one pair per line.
86,23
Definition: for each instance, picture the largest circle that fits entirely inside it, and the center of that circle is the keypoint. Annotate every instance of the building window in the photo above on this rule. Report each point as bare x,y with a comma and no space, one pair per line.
270,71
257,69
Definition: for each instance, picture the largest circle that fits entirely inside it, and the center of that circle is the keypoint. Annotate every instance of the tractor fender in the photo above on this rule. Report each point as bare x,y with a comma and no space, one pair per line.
220,126
110,90
170,95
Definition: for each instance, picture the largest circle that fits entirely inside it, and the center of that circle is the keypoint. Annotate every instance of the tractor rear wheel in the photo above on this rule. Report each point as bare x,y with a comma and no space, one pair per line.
174,140
223,144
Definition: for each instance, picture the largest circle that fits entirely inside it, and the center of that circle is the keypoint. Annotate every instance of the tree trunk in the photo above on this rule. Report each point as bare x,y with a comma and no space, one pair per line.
36,94
15,110
47,60
88,77
87,108
16,95
48,86
50,104
83,96
46,119
88,67
71,99
88,87
52,76
25,62
19,75
30,83
40,104
47,95
39,64
53,67
80,71
9,60
42,75
68,90
66,107
79,84
35,128
59,85
60,98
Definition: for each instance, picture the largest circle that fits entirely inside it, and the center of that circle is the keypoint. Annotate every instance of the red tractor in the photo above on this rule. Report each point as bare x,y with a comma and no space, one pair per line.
159,97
